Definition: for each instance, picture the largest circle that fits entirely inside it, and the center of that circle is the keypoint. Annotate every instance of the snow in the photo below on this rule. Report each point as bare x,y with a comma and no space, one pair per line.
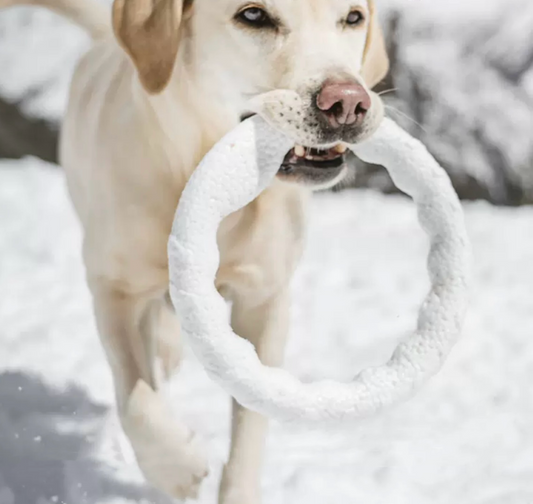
467,438
38,52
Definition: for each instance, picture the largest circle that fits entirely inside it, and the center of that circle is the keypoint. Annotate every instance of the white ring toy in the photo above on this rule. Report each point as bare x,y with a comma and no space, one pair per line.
234,173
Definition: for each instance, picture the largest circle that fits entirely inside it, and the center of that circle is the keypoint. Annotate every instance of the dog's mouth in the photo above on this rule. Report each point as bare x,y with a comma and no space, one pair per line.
310,165
311,158
319,168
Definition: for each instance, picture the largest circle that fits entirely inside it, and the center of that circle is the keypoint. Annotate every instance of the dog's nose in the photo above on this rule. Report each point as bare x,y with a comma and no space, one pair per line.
344,103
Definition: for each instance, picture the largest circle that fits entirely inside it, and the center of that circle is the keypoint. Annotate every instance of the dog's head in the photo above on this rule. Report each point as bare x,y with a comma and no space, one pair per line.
331,52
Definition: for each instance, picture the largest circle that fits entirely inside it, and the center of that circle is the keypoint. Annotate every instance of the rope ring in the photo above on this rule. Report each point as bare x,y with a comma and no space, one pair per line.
234,173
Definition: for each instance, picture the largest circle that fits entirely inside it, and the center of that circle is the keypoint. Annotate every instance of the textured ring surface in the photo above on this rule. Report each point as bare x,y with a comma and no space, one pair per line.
235,172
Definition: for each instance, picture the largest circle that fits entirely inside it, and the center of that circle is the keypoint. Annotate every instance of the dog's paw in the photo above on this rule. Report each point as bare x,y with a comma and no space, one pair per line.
176,469
166,451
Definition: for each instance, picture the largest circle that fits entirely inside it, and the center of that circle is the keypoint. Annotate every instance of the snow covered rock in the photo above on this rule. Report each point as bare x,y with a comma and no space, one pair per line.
38,51
463,74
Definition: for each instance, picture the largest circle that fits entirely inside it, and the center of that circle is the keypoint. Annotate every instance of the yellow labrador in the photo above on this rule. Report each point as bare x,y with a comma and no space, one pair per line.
160,85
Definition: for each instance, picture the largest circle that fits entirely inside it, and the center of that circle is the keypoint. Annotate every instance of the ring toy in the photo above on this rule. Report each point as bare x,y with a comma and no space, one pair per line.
234,173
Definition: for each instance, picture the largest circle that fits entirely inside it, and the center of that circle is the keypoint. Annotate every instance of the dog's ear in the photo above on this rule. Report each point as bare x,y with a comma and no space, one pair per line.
149,31
375,59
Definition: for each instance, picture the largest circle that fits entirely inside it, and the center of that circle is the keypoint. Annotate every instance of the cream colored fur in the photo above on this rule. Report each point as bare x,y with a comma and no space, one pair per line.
128,152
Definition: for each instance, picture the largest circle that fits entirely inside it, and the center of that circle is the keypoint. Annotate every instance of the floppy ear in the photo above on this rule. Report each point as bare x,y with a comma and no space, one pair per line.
375,59
148,30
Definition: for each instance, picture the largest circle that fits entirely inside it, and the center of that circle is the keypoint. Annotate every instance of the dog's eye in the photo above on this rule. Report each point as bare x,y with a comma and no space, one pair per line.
355,18
255,17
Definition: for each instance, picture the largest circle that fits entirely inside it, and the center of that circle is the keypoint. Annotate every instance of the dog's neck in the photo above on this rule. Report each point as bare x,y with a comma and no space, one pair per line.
185,111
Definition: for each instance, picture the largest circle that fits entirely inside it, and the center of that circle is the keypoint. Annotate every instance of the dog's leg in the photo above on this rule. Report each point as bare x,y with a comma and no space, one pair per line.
266,326
129,325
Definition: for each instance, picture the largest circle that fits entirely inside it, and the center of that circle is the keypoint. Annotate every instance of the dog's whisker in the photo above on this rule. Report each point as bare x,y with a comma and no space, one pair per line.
387,91
394,109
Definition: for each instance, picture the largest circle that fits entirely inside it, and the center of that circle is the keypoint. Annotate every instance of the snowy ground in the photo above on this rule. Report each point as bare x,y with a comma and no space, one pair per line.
466,439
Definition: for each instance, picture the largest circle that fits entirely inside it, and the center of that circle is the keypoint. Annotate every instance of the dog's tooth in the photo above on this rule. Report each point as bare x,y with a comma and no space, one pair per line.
299,150
341,149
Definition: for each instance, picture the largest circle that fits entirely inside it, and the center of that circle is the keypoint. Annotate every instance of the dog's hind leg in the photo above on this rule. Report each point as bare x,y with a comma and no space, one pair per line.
129,325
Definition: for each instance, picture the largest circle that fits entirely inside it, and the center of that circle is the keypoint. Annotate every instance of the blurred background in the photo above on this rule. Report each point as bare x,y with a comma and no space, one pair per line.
461,80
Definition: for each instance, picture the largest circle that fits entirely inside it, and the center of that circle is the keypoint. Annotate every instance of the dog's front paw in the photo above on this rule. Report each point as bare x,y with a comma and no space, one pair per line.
166,451
176,467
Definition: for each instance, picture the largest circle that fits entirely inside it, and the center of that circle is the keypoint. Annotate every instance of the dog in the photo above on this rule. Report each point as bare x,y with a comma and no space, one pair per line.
162,82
